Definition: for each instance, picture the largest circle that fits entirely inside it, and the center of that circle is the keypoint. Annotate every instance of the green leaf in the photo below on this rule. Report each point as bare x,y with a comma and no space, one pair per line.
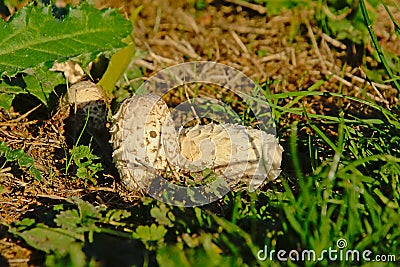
116,215
74,257
11,155
163,215
82,152
7,94
84,160
150,233
3,149
25,223
82,173
22,159
81,220
6,101
68,219
34,36
172,256
41,82
207,255
118,65
36,173
46,239
151,236
87,211
120,61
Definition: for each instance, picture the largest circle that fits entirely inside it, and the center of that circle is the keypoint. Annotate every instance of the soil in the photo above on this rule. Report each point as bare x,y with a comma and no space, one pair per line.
288,52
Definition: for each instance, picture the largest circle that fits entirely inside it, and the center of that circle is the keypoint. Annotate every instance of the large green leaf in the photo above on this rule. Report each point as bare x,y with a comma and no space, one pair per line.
45,238
34,36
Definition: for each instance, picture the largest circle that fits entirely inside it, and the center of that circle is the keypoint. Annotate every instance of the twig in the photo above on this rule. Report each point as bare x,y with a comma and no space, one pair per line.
21,183
336,17
231,46
32,140
145,64
373,86
333,42
293,54
314,42
255,61
260,9
5,169
190,20
158,57
326,47
238,41
217,56
277,56
53,197
244,29
45,143
18,260
14,121
107,189
182,48
158,20
190,47
17,123
135,79
358,89
359,79
191,104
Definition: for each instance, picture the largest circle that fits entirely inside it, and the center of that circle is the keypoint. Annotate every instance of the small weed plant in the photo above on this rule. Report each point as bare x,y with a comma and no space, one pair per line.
25,162
88,165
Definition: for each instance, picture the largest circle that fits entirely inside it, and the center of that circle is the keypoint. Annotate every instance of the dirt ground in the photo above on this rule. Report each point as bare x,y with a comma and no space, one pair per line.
288,48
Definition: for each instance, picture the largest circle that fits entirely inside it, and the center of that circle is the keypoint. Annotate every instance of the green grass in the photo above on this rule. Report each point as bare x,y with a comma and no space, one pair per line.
382,58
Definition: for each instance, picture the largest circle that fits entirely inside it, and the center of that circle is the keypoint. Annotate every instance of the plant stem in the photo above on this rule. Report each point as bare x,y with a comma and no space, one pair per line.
376,45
